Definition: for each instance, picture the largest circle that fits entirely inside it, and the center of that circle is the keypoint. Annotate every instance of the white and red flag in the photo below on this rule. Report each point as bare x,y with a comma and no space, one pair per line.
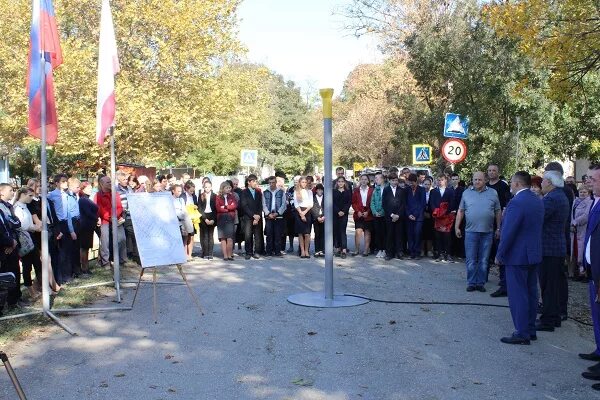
108,67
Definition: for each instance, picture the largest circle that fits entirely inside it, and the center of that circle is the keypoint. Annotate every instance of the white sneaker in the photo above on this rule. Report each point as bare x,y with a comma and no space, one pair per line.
383,254
379,254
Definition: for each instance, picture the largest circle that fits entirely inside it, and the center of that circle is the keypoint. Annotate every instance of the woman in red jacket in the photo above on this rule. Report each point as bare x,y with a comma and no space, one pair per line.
226,206
363,217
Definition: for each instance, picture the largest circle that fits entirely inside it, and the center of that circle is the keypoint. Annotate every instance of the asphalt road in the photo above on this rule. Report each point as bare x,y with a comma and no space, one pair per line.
252,344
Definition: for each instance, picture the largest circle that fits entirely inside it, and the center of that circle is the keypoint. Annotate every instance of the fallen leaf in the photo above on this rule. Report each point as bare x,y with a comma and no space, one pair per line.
168,356
311,333
119,375
103,385
392,322
171,390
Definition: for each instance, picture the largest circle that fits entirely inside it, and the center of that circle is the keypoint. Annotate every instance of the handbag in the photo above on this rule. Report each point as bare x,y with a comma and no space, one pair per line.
25,242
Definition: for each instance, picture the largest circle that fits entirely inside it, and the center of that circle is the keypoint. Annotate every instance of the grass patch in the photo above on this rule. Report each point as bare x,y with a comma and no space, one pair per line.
69,297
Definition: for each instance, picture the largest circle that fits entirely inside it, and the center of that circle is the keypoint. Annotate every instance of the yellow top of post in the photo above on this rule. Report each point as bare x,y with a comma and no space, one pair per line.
327,96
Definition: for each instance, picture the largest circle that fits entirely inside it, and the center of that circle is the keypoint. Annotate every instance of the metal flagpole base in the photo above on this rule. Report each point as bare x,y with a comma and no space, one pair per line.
317,299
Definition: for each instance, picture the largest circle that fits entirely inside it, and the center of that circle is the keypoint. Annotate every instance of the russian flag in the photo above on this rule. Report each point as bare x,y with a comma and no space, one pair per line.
108,67
44,43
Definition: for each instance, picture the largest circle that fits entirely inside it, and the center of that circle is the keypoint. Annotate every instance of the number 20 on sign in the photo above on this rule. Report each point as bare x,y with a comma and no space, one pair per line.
454,150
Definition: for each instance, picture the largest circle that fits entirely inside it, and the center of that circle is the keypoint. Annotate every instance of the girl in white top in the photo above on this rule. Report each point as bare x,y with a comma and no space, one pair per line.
303,201
32,259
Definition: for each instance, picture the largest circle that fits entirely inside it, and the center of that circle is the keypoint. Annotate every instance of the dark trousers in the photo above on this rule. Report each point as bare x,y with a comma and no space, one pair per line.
563,289
595,311
522,298
442,243
550,277
11,264
414,229
207,236
395,237
319,236
274,233
253,236
31,261
378,238
130,241
69,261
458,244
340,238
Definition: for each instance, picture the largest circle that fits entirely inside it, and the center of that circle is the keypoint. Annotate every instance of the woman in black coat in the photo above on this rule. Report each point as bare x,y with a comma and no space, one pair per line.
342,200
88,222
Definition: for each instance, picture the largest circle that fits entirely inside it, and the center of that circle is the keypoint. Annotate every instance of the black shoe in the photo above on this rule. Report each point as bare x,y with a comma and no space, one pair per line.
515,340
470,288
400,256
418,257
533,338
543,328
564,317
481,289
256,256
411,257
596,386
343,255
247,256
595,376
499,293
388,258
590,357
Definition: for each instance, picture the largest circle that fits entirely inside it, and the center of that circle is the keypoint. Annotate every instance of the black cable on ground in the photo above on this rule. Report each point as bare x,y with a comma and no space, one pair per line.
446,303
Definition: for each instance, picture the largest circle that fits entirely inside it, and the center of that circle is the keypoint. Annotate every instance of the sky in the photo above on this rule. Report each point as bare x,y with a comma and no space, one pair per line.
304,41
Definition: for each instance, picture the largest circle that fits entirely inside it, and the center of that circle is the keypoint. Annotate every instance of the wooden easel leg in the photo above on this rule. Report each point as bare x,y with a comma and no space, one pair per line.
137,288
194,297
154,306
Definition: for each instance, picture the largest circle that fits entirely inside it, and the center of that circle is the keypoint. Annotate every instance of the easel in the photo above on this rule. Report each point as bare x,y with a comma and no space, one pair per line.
155,282
12,376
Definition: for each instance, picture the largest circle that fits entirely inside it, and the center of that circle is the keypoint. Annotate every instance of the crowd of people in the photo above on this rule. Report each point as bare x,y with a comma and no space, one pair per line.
540,238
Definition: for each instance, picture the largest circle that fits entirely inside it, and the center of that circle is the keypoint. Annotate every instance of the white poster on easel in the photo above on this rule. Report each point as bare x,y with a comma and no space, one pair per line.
156,228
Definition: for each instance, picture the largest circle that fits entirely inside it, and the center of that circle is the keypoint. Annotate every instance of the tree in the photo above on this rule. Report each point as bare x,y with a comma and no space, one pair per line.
563,36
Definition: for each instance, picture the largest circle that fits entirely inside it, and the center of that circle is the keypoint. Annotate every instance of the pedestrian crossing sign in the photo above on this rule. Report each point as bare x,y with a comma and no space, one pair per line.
421,154
249,158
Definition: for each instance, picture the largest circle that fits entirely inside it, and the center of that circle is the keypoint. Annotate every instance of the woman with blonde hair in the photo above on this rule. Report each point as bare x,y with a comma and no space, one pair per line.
226,204
303,201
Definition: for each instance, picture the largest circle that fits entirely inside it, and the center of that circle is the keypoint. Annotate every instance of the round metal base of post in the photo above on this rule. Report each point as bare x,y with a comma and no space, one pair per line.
317,299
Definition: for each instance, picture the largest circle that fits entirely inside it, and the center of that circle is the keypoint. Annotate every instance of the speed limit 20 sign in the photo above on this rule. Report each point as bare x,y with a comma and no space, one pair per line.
454,150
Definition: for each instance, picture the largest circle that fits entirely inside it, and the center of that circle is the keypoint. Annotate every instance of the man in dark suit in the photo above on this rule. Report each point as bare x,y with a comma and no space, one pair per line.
251,219
520,251
591,261
394,203
554,250
415,207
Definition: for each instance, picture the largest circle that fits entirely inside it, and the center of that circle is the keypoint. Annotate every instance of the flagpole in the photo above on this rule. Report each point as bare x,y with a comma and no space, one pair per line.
44,200
115,231
327,298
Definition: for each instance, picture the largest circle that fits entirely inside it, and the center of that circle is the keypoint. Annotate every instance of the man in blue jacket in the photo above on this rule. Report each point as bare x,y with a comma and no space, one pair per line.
520,251
415,207
591,260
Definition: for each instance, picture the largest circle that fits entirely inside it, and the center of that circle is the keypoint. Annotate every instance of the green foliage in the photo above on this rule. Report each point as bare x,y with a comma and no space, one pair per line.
183,96
461,64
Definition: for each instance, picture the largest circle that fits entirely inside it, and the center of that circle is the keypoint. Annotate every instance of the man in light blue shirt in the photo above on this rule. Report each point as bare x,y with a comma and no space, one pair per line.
480,206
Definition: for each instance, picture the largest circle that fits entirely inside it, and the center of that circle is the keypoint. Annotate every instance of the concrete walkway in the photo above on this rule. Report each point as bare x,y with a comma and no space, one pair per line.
253,344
